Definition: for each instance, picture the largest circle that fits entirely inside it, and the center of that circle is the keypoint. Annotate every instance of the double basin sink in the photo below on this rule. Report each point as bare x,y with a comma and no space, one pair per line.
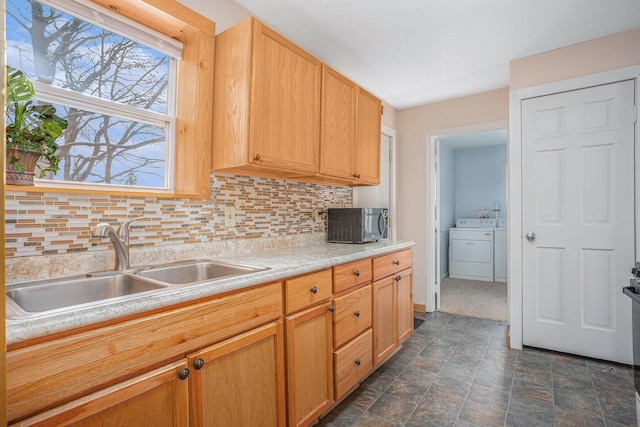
39,296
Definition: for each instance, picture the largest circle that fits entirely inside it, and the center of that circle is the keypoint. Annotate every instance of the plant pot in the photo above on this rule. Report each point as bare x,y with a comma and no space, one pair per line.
28,159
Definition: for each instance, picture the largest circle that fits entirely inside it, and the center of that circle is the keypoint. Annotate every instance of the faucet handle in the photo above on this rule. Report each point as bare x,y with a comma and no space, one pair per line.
123,229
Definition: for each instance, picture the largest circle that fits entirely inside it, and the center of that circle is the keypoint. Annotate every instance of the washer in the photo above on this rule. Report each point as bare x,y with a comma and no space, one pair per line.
471,249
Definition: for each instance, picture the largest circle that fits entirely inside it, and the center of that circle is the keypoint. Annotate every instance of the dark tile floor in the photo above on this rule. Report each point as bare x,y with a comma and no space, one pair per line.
457,371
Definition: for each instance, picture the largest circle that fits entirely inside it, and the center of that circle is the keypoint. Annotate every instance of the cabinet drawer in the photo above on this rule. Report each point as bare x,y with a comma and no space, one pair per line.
387,265
352,315
355,273
352,363
305,291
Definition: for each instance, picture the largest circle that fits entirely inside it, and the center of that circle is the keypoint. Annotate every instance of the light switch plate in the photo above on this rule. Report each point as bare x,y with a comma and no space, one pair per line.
229,216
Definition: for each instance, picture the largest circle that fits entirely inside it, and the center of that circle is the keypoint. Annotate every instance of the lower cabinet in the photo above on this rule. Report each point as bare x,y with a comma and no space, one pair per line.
392,303
157,398
404,304
240,382
384,315
309,364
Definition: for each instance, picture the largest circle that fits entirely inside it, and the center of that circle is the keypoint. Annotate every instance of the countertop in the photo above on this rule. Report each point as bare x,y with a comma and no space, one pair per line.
282,263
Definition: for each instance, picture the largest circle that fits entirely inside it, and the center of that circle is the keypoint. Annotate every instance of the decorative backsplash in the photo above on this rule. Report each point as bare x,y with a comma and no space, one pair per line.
60,223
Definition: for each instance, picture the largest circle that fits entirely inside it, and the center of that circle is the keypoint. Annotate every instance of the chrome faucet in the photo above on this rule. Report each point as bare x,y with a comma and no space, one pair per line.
119,238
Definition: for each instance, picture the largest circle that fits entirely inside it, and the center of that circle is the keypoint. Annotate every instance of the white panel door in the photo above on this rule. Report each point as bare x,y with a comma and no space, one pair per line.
578,200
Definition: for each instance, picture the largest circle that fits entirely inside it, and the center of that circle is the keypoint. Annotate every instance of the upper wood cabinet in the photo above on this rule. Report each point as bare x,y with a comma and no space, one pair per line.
266,104
279,112
350,131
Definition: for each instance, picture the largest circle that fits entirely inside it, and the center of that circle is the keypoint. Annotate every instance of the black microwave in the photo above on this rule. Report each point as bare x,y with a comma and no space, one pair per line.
357,225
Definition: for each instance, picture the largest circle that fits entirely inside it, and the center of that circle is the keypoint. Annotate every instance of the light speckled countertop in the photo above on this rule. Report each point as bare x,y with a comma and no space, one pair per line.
282,263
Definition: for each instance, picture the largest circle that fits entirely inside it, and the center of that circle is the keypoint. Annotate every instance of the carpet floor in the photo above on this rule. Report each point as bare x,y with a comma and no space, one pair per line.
487,300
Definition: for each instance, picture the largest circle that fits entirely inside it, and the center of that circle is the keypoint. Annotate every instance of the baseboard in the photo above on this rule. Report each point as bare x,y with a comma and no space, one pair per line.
420,308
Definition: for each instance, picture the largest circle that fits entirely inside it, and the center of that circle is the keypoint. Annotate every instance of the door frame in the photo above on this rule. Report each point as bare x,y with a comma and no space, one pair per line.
514,179
433,202
391,133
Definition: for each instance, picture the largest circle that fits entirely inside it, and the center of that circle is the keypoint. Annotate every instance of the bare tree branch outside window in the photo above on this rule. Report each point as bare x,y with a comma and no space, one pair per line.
66,52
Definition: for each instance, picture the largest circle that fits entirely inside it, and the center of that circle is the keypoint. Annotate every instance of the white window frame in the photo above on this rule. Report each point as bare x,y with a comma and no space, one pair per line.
48,93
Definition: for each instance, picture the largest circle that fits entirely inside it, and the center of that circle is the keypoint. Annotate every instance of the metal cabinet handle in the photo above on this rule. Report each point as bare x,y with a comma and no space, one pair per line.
198,364
398,278
396,262
356,175
358,362
256,157
183,373
357,313
531,236
332,309
314,290
357,273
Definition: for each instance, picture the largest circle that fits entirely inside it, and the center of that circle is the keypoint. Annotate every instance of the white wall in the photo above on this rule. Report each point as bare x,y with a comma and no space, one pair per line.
480,180
415,127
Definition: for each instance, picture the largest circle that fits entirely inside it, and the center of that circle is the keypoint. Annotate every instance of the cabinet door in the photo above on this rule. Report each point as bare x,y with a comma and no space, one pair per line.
338,133
309,364
384,319
240,381
285,104
367,149
158,398
404,295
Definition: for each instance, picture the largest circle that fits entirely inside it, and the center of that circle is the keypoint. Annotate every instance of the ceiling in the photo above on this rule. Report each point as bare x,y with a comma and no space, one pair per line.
413,52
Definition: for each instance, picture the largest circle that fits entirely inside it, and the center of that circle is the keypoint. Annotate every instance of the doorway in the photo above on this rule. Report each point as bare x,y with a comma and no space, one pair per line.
471,212
441,198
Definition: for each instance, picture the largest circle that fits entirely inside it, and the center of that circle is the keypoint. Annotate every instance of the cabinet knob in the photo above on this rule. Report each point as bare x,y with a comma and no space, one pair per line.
314,290
356,175
358,362
198,364
357,273
256,157
183,373
357,313
396,262
398,278
332,309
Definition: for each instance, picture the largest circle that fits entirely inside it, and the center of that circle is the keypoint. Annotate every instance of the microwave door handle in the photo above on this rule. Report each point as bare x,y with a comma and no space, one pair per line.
384,220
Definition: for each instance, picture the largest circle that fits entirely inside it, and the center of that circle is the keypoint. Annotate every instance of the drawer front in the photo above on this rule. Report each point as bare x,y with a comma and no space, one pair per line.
305,291
355,273
352,363
390,264
352,315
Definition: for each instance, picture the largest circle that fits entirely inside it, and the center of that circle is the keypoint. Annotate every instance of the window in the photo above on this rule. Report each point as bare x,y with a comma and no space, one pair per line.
114,82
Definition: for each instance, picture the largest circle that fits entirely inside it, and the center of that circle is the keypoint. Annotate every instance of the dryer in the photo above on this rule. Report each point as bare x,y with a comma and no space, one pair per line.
471,249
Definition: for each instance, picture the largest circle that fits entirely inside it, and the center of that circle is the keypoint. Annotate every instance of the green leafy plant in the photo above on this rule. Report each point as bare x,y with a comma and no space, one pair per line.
31,126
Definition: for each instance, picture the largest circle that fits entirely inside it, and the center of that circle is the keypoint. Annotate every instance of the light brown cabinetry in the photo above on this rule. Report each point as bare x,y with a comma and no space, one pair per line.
51,373
392,303
157,398
350,131
266,104
279,112
309,362
240,381
352,336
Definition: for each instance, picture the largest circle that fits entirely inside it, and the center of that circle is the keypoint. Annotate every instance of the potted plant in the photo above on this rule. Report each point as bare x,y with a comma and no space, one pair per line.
32,129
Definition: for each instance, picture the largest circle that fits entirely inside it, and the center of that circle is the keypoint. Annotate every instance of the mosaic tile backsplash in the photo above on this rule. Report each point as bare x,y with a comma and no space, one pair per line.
60,223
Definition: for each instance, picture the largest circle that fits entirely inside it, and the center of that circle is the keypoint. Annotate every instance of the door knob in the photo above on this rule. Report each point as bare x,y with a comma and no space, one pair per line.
531,236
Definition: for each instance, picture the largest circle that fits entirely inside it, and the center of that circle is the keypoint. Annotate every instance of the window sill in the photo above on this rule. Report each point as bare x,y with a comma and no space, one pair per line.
110,192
